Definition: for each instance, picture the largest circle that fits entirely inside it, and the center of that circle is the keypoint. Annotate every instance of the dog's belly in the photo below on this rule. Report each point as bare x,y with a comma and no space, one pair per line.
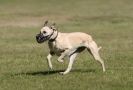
58,51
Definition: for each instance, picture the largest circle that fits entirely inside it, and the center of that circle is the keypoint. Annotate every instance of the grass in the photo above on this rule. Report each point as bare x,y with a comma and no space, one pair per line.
23,64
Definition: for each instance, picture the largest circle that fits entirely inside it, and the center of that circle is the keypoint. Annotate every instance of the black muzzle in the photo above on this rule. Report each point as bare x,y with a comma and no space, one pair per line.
40,38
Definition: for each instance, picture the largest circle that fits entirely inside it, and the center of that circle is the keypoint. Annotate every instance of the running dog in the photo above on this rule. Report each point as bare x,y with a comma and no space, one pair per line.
67,44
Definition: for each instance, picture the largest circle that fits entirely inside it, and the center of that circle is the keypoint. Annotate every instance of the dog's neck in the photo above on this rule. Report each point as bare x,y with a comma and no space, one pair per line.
54,36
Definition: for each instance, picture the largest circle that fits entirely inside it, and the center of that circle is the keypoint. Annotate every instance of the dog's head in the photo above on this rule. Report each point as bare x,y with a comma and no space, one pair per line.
46,33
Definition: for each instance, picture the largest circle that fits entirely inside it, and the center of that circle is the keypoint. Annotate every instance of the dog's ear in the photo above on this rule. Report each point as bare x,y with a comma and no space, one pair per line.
45,23
53,26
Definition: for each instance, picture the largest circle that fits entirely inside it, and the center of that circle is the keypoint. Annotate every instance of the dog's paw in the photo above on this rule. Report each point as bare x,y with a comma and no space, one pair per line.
61,73
60,60
51,69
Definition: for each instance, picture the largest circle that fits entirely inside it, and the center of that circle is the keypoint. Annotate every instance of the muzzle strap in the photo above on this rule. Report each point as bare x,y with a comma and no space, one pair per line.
51,40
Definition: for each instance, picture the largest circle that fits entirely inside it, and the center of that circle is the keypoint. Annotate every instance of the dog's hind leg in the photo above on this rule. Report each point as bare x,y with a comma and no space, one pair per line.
93,48
72,58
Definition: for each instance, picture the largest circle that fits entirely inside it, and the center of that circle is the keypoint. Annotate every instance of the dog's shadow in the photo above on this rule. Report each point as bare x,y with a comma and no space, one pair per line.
53,72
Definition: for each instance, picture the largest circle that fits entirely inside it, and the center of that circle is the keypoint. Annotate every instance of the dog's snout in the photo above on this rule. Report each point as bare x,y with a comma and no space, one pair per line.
37,37
40,38
37,34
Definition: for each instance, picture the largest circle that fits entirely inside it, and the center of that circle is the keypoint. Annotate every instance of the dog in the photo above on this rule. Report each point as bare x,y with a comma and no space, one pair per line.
67,44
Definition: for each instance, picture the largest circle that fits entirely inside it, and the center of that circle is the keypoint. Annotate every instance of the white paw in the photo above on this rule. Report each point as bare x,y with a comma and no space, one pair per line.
104,70
60,60
50,68
62,73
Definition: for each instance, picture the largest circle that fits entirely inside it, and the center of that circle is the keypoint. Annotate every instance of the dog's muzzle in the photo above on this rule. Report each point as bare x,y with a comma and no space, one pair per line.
40,38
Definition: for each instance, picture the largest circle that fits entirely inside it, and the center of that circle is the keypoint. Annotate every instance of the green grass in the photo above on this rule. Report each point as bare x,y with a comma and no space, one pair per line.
23,64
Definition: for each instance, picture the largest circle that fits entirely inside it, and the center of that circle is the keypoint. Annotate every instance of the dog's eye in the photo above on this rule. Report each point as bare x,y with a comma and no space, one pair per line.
44,32
53,28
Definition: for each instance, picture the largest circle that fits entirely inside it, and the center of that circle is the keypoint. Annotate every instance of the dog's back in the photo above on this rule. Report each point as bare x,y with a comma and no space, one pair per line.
74,38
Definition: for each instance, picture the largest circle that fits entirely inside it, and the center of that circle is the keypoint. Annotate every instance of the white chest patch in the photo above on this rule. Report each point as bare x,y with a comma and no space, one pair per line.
57,49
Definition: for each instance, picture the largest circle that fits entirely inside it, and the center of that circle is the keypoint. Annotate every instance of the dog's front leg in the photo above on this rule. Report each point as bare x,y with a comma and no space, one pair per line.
60,59
67,52
49,61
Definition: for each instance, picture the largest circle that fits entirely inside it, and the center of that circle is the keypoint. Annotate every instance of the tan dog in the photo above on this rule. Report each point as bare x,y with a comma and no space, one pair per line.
67,44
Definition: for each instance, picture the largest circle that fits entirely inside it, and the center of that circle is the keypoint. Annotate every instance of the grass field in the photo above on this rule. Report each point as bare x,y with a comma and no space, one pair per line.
23,64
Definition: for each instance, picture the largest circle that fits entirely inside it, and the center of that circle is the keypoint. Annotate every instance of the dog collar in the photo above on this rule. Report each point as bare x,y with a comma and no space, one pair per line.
51,40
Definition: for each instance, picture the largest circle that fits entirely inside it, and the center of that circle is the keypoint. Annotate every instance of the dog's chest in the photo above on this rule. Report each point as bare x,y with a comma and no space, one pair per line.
56,48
